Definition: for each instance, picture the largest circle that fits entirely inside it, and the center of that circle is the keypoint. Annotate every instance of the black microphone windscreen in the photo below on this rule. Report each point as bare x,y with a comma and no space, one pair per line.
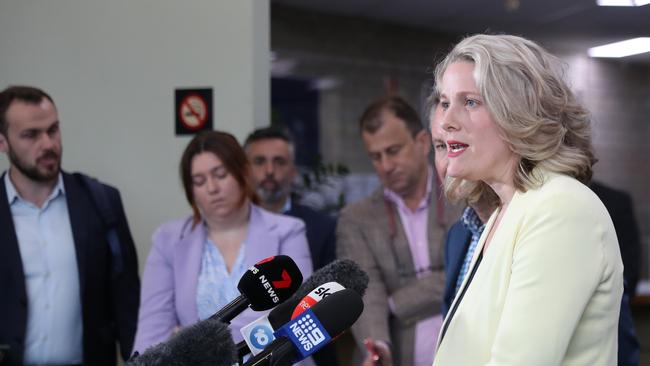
344,271
282,313
206,343
338,311
302,336
270,282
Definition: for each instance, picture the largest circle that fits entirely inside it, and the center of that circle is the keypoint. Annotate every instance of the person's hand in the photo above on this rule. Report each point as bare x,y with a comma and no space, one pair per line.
378,353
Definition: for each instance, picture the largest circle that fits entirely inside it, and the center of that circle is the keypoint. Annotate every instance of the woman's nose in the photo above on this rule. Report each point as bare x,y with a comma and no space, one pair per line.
449,120
212,185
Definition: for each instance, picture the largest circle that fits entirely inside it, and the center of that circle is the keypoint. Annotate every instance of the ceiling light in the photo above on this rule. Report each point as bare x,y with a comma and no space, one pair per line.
622,49
622,2
614,2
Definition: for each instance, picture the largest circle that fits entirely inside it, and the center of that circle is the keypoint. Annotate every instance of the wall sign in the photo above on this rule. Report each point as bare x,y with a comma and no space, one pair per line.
193,110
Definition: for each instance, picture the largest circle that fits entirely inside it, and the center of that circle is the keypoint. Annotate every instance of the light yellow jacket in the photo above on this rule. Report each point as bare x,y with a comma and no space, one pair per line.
548,290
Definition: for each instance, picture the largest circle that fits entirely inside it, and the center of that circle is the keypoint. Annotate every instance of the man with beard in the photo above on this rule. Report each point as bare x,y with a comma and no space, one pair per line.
396,236
68,290
271,153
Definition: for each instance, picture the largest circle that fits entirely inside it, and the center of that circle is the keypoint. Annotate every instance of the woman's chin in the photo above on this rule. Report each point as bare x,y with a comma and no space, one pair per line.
456,174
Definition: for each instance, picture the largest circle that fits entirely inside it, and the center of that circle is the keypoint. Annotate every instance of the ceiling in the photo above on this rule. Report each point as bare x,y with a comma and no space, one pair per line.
560,20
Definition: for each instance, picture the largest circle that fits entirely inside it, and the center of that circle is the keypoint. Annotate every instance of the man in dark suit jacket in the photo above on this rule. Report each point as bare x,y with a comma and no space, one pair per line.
63,321
271,153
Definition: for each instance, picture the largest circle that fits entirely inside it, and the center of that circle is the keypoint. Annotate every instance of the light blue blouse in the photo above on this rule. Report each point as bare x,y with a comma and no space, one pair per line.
216,287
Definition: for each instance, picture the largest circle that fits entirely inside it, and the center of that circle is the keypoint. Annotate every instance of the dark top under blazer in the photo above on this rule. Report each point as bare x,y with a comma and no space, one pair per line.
456,246
321,233
321,236
109,302
621,210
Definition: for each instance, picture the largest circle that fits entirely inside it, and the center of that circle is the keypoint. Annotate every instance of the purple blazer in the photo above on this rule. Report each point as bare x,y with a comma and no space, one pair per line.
171,273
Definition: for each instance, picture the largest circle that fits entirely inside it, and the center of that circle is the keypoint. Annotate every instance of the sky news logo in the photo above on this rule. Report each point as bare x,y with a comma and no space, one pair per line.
315,296
306,333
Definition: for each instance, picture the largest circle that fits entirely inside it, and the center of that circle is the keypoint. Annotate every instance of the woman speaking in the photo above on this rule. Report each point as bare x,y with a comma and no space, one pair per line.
546,280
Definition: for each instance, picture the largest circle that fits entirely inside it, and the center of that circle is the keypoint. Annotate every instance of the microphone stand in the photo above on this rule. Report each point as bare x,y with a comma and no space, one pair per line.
231,310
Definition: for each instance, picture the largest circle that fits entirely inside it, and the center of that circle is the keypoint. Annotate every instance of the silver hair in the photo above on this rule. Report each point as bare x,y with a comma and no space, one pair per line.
537,114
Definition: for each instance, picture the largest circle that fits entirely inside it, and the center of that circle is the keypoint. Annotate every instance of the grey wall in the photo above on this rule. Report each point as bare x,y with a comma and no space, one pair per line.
112,66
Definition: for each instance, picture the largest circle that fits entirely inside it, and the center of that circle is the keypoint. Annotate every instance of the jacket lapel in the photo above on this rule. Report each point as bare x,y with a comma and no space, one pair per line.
187,262
9,250
262,240
78,208
391,227
435,235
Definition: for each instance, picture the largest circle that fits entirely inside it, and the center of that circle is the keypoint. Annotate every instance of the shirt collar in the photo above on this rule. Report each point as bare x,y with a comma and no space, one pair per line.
395,198
471,221
12,193
287,206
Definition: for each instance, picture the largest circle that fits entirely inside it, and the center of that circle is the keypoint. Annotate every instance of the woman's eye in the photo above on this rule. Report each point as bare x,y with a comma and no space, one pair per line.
220,173
471,103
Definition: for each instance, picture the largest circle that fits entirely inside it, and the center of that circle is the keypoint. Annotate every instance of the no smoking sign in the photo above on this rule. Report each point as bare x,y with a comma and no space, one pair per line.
193,111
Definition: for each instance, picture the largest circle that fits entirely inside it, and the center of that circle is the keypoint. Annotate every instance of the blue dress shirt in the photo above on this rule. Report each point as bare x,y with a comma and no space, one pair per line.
472,223
54,325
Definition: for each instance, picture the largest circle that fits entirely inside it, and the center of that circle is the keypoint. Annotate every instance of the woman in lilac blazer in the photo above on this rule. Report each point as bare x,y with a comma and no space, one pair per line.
195,263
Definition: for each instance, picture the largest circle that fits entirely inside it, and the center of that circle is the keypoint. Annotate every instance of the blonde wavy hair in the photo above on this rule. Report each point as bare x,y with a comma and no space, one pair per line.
537,114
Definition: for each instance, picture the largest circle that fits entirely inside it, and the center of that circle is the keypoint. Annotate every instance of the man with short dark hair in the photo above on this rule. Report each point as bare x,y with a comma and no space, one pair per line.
271,153
68,290
396,237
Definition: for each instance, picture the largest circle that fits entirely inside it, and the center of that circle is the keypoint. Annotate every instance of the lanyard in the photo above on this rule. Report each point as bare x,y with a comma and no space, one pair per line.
402,269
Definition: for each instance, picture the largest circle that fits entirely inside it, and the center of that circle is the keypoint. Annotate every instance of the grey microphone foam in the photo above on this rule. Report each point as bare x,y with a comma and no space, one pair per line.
206,343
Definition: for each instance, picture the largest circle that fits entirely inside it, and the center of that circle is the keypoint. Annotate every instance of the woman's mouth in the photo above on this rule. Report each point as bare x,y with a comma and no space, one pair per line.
456,148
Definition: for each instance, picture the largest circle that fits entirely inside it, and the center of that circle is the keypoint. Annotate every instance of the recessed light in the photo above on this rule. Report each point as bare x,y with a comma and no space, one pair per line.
622,2
625,48
615,2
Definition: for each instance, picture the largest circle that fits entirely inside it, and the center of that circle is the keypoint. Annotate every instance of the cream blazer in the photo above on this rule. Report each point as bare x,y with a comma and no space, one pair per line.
548,289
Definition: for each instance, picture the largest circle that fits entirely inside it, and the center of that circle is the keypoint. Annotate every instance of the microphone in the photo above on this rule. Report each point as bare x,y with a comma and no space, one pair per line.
206,343
264,285
345,272
318,294
259,333
311,330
